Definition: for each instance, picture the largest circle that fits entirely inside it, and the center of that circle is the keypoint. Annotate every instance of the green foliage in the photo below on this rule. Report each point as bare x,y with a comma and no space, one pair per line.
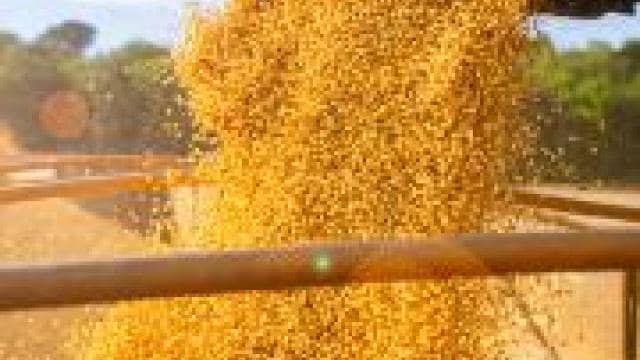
26,77
8,39
135,104
598,92
139,106
589,99
68,38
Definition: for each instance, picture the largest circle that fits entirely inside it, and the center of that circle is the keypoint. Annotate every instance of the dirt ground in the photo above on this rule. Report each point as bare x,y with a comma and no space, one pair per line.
49,230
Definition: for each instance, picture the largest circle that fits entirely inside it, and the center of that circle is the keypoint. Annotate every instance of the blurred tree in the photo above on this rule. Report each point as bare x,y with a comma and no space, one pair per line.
132,100
8,39
25,78
598,93
54,97
70,38
139,106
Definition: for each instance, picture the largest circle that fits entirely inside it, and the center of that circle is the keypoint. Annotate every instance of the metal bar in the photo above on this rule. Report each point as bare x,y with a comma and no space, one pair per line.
529,196
87,187
629,293
629,299
631,314
35,161
441,257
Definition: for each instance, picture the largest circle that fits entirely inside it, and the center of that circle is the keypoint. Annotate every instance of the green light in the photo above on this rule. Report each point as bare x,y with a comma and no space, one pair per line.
321,262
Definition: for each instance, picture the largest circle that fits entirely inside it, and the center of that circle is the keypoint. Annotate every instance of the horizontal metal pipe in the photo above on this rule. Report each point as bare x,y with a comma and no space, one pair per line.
89,186
200,273
12,163
534,198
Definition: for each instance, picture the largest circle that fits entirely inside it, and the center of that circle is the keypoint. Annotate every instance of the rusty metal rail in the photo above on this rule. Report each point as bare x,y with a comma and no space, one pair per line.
534,198
41,285
137,172
14,163
628,212
87,186
443,257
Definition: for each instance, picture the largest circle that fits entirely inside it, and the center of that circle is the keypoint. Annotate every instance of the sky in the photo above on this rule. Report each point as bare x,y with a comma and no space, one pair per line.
119,21
573,33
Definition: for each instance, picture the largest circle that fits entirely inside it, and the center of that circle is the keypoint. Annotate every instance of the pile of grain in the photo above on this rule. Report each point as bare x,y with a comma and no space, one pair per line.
342,119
